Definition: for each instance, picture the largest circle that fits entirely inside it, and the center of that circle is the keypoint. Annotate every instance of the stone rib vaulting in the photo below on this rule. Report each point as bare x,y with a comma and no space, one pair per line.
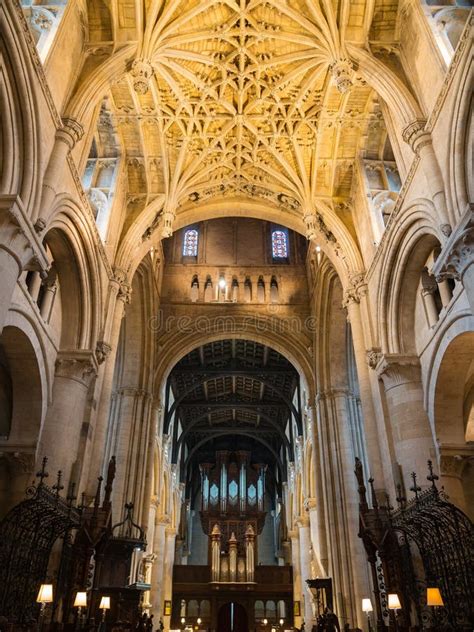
236,315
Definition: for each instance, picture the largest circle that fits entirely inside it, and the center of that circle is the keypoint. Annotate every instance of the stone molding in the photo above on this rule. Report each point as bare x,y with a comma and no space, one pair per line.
396,369
79,365
458,253
19,238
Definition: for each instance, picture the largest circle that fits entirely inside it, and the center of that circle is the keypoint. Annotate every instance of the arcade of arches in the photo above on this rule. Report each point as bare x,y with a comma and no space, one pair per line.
236,260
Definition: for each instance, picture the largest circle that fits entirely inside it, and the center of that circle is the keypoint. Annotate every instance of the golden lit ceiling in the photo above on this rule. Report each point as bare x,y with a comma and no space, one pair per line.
244,98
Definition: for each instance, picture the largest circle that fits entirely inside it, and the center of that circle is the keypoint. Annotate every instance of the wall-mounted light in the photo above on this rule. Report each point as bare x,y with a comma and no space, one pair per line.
222,283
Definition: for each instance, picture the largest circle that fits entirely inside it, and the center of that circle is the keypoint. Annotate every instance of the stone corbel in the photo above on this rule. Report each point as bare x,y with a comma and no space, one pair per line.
102,351
141,71
458,252
373,357
342,71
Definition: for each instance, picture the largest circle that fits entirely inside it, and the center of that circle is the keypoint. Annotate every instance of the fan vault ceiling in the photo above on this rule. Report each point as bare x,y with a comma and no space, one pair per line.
248,99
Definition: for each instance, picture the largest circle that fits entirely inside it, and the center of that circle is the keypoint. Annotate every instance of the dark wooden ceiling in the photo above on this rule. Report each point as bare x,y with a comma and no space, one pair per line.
237,395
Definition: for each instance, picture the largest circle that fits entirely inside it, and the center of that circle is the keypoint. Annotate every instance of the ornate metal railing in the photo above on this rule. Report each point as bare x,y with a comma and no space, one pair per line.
425,541
27,535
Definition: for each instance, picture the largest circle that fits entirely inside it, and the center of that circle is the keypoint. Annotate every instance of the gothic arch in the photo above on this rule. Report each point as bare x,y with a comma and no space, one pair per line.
176,343
21,357
20,153
79,277
451,406
346,259
384,81
406,252
460,153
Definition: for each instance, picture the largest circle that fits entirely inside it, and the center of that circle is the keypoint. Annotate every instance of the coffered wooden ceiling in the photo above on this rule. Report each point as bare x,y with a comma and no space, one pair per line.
241,98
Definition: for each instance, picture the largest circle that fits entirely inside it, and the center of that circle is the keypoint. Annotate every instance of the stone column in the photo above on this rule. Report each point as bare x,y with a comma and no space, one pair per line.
66,138
130,442
305,557
233,558
456,260
215,553
421,143
170,542
412,435
157,573
250,553
118,297
20,248
347,560
61,431
352,300
311,506
296,564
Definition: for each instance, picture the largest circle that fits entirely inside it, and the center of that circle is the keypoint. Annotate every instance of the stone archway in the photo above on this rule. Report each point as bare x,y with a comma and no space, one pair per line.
453,419
20,416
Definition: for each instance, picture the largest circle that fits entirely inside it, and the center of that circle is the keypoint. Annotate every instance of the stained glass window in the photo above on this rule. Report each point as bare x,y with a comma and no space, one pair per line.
279,244
190,243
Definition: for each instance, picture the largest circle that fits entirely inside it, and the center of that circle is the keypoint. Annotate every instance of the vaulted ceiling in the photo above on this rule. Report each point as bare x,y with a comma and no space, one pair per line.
241,98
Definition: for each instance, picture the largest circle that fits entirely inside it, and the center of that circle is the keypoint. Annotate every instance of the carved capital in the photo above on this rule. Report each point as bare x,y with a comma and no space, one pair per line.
77,365
102,351
70,133
396,370
458,253
415,135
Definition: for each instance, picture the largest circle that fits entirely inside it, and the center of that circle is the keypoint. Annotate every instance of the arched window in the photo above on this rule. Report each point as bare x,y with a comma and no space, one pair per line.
279,244
190,243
